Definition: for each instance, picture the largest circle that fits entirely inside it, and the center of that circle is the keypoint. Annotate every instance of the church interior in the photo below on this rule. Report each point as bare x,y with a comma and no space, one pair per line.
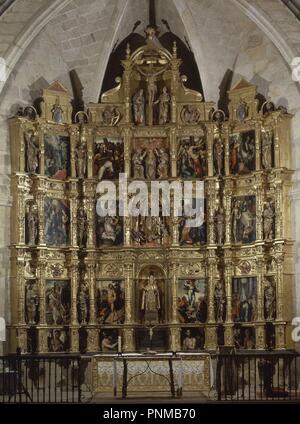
168,91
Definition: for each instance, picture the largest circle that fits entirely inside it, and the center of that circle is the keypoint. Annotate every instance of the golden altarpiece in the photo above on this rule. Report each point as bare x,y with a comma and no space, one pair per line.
81,282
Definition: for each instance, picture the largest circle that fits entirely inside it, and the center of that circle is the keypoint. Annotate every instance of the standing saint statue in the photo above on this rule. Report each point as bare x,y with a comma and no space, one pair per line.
268,221
267,150
269,300
219,302
150,304
219,151
139,107
220,225
164,101
32,220
83,300
32,150
31,303
80,157
151,165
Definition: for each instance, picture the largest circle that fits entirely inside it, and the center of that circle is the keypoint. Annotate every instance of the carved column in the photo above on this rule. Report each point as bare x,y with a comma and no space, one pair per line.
259,208
175,342
127,135
278,208
210,146
226,131
227,206
129,295
41,211
90,210
74,138
260,328
173,152
228,290
93,333
258,145
73,196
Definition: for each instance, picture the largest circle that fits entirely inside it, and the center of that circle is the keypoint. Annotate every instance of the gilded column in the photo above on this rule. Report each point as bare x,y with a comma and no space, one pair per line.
173,152
228,290
175,343
74,290
227,206
260,328
90,210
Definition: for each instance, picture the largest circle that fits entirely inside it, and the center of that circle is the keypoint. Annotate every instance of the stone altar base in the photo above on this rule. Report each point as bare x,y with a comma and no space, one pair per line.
193,373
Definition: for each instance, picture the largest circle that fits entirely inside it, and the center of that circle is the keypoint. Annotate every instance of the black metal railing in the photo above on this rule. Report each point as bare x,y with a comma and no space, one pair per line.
258,376
40,379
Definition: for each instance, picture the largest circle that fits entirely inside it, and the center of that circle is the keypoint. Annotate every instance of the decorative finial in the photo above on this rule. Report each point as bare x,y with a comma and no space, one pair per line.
128,51
174,49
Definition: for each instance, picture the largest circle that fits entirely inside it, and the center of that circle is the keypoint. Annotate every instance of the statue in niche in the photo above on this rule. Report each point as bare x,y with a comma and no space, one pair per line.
31,303
111,116
151,305
163,163
164,102
83,302
150,163
80,158
220,225
190,114
269,300
57,112
189,341
219,155
32,151
138,163
219,300
267,144
82,226
139,107
268,221
32,223
236,216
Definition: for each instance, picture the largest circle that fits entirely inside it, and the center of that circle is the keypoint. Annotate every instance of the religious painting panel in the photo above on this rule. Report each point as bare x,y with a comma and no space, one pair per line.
108,158
108,340
31,302
192,300
151,307
57,156
152,339
56,221
58,302
244,299
150,158
110,301
192,157
109,229
192,338
242,152
244,337
243,219
58,340
192,223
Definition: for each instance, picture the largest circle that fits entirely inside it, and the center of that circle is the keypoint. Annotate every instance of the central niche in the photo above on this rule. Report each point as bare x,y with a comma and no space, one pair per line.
151,300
